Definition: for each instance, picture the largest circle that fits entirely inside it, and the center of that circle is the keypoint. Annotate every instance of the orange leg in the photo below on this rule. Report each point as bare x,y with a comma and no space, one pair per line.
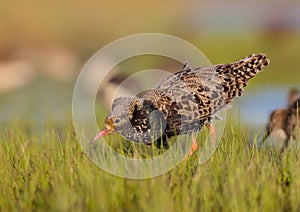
194,146
212,133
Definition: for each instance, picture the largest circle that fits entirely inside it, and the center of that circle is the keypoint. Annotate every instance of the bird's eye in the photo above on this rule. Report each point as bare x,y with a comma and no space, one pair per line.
117,121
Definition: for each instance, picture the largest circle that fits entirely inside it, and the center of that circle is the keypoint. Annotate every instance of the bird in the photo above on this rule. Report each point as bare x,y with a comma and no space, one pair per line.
277,120
292,123
294,94
275,130
181,103
282,121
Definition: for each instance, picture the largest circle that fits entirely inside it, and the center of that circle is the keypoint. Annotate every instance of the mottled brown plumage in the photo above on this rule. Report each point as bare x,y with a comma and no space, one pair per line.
294,94
292,125
181,103
284,120
277,120
276,128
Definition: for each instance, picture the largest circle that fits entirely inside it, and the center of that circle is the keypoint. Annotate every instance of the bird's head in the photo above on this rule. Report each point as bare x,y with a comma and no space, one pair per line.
119,119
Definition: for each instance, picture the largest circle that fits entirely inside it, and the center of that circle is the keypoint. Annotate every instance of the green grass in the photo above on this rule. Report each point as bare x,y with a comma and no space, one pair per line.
49,170
52,173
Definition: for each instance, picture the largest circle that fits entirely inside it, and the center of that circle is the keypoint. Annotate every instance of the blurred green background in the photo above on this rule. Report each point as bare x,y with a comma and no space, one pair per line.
44,45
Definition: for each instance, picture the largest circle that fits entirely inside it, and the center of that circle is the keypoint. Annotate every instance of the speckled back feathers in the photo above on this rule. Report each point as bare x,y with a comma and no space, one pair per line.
189,98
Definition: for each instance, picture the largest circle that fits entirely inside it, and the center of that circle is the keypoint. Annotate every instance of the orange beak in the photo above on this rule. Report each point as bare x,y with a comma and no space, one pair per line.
104,132
109,128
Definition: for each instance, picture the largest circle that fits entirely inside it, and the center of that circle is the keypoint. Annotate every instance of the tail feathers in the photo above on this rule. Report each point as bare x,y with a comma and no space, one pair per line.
245,68
235,76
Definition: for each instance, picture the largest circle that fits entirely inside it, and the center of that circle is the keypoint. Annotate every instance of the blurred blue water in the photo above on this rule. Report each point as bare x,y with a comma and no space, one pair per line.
46,101
255,106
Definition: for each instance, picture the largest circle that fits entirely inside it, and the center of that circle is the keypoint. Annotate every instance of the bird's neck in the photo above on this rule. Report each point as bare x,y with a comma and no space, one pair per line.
151,130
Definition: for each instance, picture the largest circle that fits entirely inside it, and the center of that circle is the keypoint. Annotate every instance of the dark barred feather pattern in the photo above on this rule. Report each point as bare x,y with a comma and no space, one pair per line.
235,76
188,99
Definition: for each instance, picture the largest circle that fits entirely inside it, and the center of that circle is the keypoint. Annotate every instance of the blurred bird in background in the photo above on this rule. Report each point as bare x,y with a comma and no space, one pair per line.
283,123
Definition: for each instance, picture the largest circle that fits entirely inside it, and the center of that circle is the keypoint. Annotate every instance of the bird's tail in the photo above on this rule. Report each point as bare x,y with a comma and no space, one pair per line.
235,76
